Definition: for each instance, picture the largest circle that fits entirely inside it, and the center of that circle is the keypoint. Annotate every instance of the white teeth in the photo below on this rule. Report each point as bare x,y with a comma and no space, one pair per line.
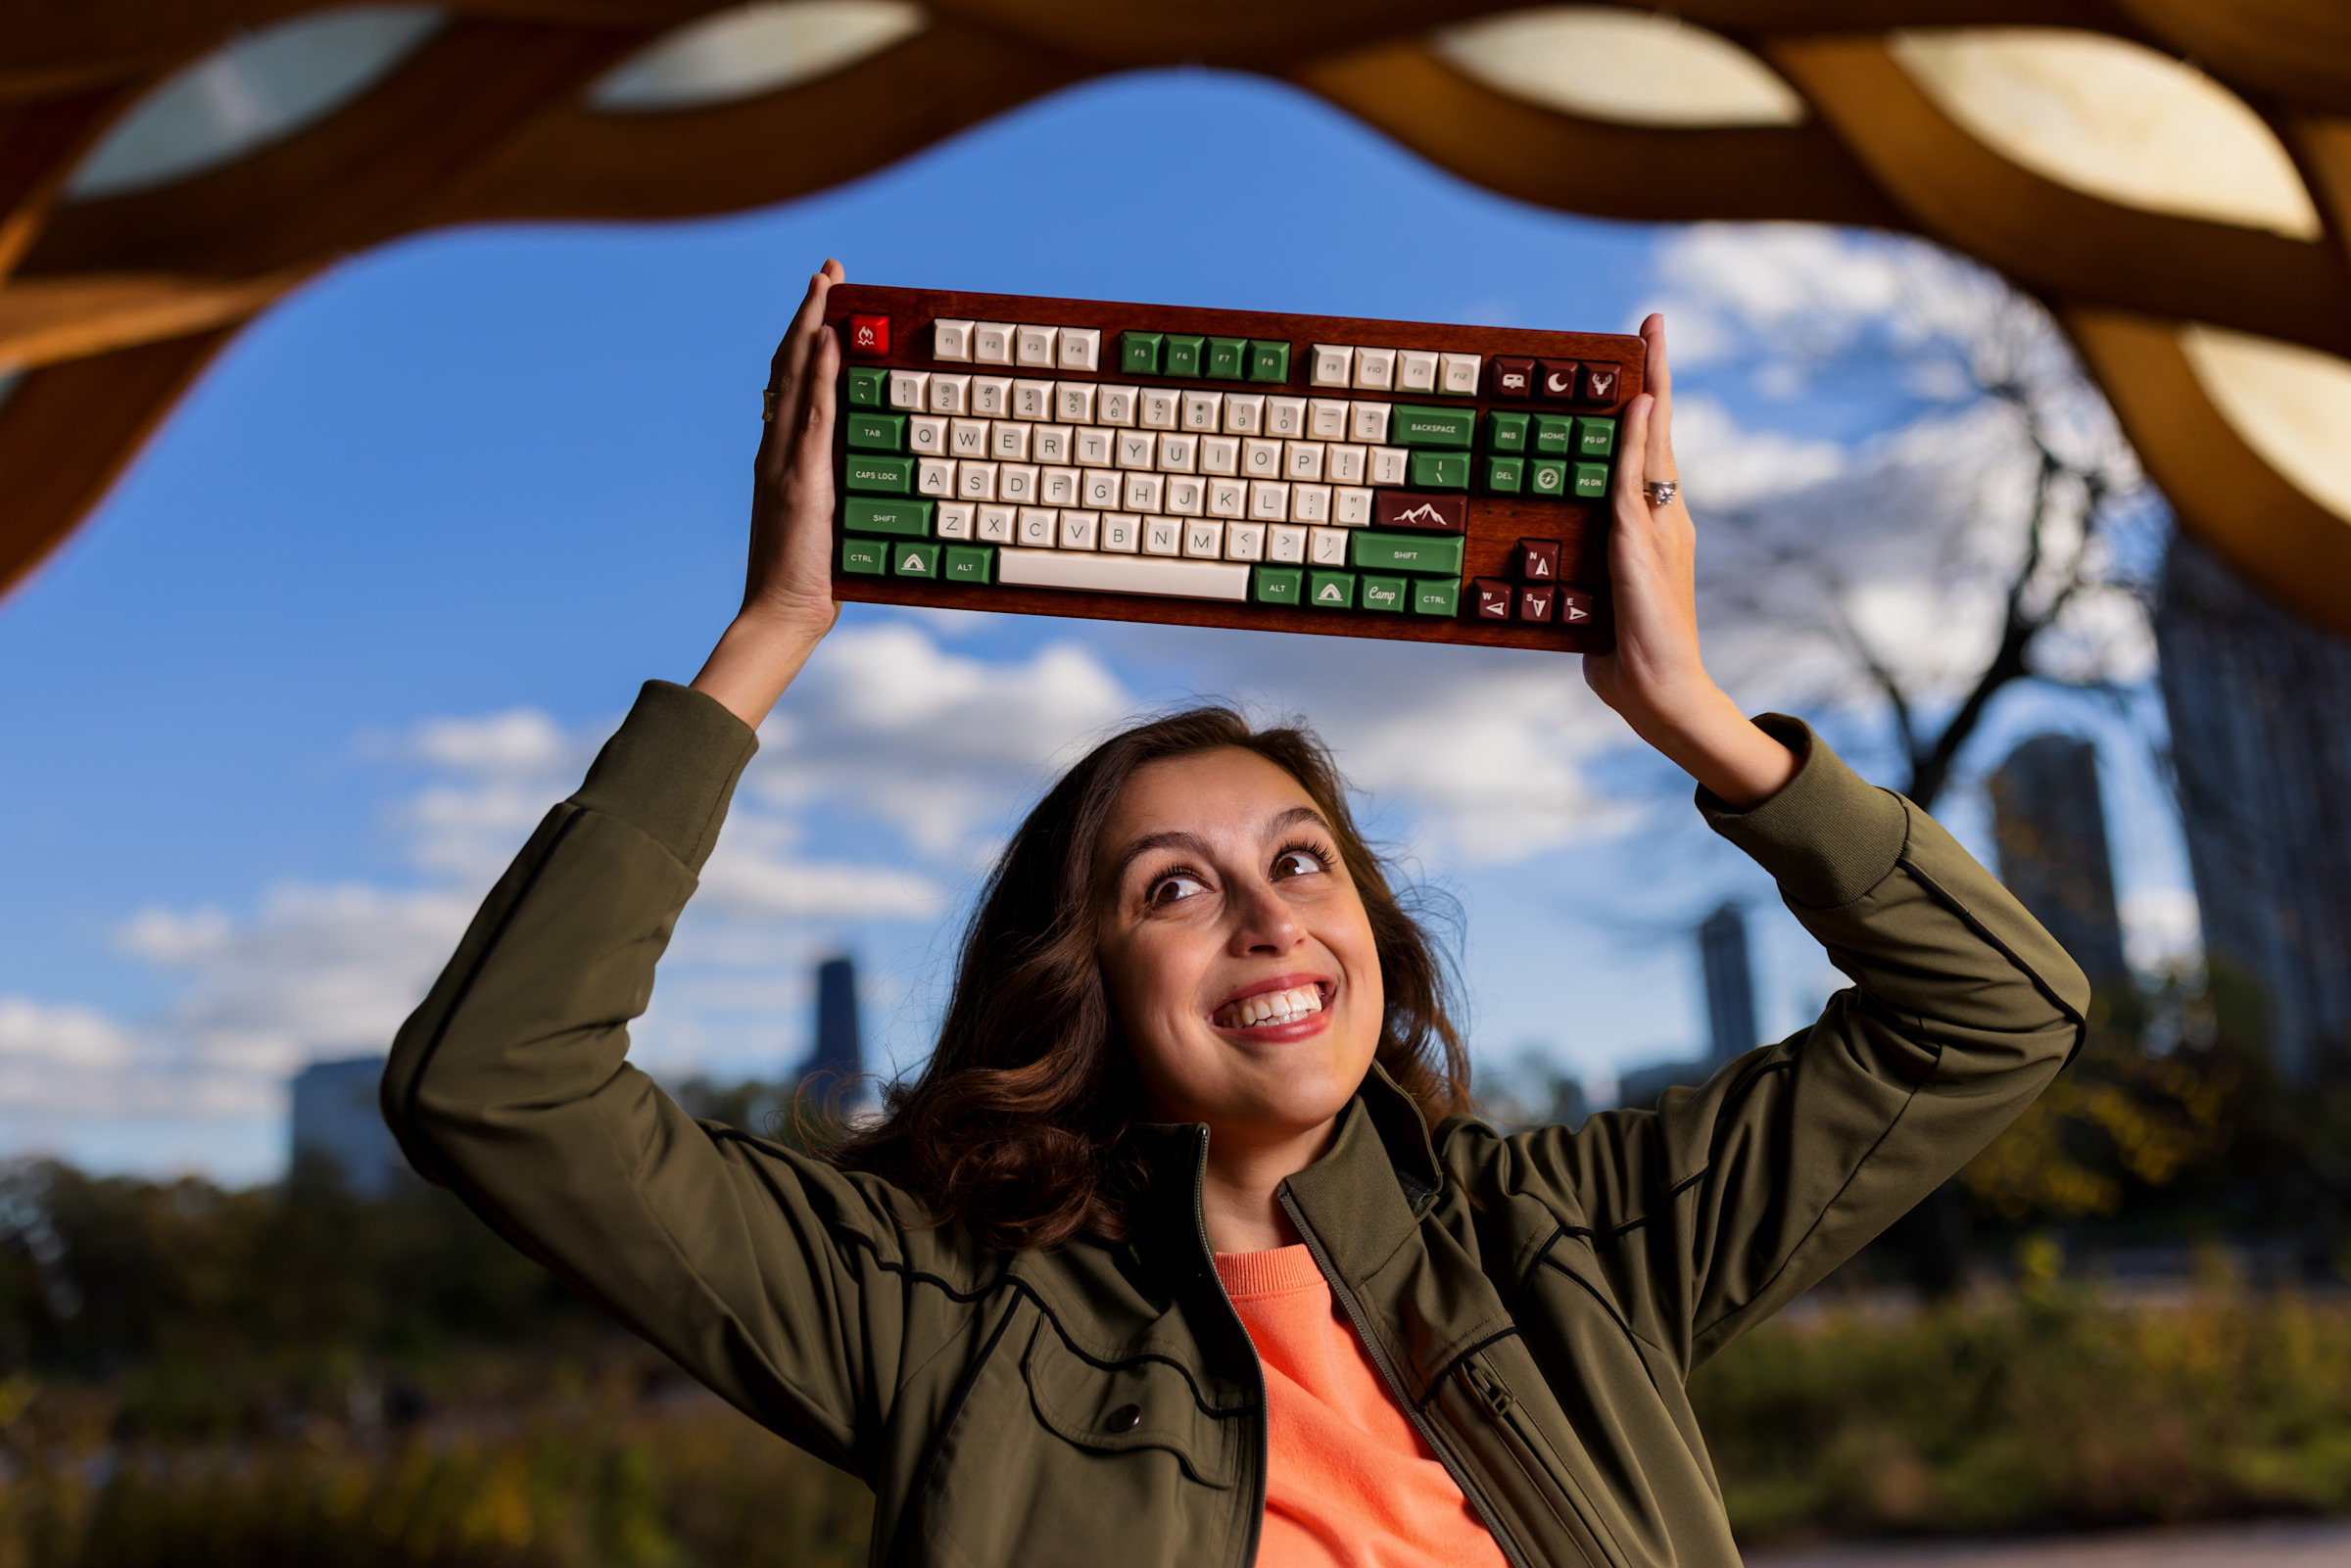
1275,1007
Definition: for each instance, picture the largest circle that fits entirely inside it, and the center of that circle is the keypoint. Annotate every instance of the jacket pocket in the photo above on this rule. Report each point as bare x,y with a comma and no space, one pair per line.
1553,1483
1123,1406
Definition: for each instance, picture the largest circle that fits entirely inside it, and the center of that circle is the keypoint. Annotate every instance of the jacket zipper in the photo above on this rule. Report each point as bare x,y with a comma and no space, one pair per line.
1257,1371
1387,1369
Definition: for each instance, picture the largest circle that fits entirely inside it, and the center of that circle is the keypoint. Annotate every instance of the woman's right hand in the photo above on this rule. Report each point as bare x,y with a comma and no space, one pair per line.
788,604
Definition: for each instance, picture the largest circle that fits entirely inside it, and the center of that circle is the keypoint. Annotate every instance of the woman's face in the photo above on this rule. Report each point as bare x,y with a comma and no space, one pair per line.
1235,947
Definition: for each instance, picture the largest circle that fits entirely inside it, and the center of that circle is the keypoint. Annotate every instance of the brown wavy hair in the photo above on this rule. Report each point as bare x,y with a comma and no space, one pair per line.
1015,1126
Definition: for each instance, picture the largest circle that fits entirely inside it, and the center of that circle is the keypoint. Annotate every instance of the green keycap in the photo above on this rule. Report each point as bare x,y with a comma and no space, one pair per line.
1330,591
1408,553
1591,481
1438,470
1277,585
969,564
869,514
1504,475
1412,425
876,432
883,476
868,558
1384,594
1555,436
1269,361
1436,595
1595,436
1138,353
869,386
1547,477
1183,354
914,560
1227,359
1506,432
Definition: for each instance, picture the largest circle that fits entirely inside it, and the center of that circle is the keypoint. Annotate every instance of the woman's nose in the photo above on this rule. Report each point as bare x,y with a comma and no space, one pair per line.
1262,921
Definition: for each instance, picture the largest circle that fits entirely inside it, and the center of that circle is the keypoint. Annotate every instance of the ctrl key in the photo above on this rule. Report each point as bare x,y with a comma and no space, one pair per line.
867,557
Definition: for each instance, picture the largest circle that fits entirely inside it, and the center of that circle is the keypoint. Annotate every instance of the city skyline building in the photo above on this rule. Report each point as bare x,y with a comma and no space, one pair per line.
2049,833
338,1124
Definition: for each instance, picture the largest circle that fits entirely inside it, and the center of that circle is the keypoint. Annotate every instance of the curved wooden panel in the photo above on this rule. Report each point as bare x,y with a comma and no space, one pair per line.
2057,240
46,322
2299,49
1631,171
2297,550
67,432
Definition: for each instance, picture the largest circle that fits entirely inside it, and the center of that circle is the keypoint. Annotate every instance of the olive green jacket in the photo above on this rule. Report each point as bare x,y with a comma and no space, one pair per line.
1535,1301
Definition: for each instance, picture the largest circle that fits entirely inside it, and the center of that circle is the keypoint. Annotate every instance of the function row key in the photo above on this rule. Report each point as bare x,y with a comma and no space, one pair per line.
1204,358
1005,343
1364,369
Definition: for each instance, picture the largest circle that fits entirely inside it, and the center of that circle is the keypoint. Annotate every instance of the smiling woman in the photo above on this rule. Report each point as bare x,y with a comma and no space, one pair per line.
1184,1247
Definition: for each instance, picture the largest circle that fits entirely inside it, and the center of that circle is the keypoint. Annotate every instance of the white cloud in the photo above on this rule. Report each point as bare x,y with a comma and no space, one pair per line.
2162,926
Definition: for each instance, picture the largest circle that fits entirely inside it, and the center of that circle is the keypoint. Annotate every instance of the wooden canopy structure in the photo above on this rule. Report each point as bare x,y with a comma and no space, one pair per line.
2216,317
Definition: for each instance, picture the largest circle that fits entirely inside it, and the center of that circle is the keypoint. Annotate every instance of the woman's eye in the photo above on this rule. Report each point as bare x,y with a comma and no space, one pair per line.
1297,863
1173,887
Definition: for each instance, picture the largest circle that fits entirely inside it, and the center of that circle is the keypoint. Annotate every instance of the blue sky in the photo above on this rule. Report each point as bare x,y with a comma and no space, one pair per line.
367,602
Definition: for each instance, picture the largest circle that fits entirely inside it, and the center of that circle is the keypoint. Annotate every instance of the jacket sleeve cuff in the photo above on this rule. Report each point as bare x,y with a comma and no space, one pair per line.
1828,836
670,769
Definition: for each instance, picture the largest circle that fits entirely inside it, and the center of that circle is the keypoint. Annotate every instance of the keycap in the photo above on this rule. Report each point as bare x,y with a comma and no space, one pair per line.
1244,414
1080,529
1100,489
1300,460
1494,598
1226,359
1506,432
1220,454
1558,379
1138,353
934,477
950,394
1547,477
914,560
1347,463
1513,377
926,435
1332,365
875,432
955,519
1122,531
1269,360
1203,540
1285,418
1413,426
1595,436
975,480
867,386
1159,408
1330,591
1137,449
1163,536
1430,554
1326,418
1037,347
1327,547
1115,405
868,514
1536,560
1035,526
1245,541
1032,400
1351,505
993,524
1227,498
1369,423
1142,492
1575,606
991,395
1184,495
869,335
952,340
1008,440
1057,487
1398,508
1309,504
881,476
966,563
868,558
1178,451
1268,500
1285,543
1095,447
1123,574
1436,595
1074,402
1080,349
1439,470
1554,436
1184,350
1599,383
1017,483
1050,444
1416,370
1504,475
1374,369
1591,481
1261,459
1277,585
991,343
909,389
1204,411
1382,593
1534,602
1457,373
1388,465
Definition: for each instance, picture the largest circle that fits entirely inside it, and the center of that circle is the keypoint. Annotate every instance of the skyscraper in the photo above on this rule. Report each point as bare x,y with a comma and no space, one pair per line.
839,1056
337,1122
2049,826
1730,989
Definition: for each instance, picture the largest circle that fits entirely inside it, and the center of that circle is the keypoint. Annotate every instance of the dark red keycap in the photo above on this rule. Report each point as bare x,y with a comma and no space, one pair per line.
1493,598
1404,508
1599,383
1513,378
869,335
1575,606
1534,603
1558,379
1536,560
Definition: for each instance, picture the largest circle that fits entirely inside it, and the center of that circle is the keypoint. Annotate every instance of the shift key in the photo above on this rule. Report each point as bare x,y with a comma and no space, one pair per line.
1427,555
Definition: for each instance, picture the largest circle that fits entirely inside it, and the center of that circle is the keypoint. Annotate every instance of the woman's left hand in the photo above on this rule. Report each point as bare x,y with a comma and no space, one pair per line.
1654,677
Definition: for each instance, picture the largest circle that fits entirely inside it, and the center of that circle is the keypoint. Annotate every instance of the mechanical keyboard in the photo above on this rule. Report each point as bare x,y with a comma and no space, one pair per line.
1284,473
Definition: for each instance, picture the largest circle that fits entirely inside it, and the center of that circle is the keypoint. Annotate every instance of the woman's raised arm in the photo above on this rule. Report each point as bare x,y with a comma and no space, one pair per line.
788,583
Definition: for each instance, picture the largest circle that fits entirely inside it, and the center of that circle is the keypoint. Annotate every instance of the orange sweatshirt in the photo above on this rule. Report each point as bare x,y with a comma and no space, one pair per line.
1349,1482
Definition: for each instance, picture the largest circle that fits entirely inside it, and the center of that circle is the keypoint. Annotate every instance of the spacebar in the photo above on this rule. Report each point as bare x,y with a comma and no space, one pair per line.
1123,574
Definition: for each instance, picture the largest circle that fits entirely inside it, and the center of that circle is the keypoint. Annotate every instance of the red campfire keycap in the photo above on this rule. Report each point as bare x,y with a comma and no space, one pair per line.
1513,378
1493,598
869,335
1557,380
1599,383
1404,508
1536,560
1575,606
1534,603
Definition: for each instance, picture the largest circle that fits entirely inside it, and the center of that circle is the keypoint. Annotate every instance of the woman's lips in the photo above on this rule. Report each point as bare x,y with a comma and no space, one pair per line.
1274,1007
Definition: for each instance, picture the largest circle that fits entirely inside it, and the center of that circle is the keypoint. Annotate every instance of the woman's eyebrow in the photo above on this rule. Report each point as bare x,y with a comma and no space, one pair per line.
1172,839
1293,816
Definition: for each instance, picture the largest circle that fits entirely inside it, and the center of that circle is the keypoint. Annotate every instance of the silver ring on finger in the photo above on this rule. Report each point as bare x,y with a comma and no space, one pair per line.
1661,492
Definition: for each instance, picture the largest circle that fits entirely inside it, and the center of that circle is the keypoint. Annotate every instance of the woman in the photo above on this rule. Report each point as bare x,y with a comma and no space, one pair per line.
1182,1249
